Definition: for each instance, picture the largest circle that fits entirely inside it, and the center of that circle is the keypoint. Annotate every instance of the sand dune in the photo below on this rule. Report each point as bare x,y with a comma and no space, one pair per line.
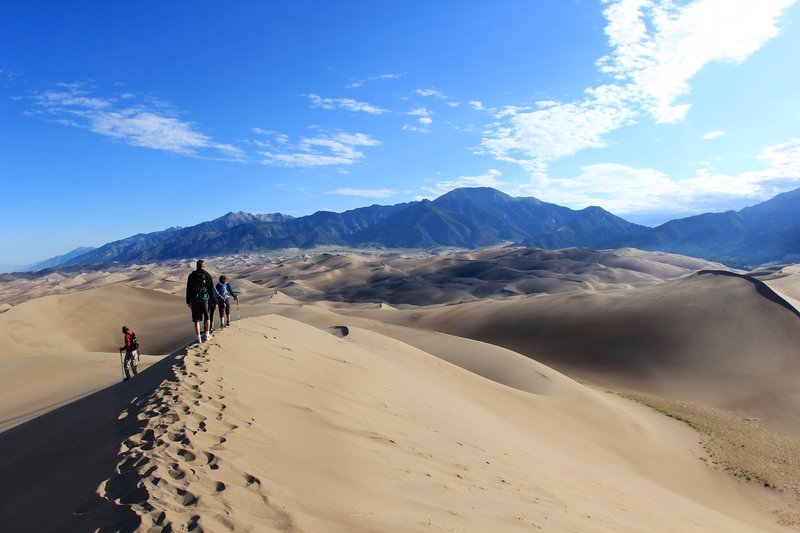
708,338
283,426
61,347
284,423
408,278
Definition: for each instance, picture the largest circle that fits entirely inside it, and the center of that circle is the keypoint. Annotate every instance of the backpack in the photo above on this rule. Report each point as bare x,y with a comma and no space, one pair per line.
197,286
222,289
134,342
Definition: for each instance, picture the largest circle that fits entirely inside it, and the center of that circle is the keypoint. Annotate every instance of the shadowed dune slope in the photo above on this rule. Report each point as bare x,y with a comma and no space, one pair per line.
282,426
58,348
707,337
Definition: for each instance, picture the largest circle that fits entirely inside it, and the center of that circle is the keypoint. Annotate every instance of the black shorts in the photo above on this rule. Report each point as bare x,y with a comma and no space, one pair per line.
200,311
224,307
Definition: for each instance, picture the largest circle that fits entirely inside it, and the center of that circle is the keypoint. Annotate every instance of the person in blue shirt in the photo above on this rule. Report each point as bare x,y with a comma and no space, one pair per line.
224,295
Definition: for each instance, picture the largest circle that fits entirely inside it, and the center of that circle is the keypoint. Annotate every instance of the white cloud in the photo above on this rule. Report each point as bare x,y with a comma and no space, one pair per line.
487,179
476,104
338,149
149,130
783,160
74,105
432,93
555,130
347,104
657,47
425,119
713,135
365,193
626,190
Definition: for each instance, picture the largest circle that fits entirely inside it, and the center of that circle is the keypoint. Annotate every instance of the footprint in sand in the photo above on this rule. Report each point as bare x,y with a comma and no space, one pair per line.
176,472
186,498
187,455
211,460
251,480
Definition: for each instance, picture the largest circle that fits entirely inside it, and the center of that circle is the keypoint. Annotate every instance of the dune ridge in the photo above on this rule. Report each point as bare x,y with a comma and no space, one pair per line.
286,427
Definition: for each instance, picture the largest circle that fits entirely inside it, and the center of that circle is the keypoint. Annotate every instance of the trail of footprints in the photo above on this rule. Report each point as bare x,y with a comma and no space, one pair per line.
172,474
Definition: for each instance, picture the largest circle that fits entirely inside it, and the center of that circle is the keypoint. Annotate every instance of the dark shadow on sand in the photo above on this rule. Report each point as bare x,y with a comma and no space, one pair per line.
52,466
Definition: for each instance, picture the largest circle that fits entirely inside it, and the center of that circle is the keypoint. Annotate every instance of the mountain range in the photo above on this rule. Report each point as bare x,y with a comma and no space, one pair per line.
474,218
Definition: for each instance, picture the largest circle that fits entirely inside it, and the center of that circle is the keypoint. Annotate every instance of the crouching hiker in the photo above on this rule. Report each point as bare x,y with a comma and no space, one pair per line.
131,349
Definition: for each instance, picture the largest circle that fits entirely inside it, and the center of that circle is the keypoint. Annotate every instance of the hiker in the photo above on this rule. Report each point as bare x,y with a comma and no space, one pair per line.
199,292
131,353
225,292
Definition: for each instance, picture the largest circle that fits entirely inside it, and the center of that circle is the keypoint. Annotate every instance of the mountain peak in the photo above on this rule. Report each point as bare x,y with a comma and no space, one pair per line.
474,194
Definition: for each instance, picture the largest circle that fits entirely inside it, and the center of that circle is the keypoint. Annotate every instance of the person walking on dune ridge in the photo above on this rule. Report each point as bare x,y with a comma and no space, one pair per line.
225,293
199,292
131,353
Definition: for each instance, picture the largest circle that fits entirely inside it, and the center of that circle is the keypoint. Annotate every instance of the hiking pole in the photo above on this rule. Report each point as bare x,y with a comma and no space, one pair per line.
122,364
238,317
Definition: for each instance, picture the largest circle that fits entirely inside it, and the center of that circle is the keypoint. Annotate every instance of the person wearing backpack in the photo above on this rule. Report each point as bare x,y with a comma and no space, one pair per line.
225,292
131,349
199,292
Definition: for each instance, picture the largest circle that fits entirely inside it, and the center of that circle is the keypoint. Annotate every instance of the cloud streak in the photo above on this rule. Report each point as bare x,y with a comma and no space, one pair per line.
348,104
119,118
337,149
382,77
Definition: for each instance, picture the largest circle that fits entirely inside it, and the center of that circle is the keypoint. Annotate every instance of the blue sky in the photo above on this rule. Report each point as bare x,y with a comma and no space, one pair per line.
119,118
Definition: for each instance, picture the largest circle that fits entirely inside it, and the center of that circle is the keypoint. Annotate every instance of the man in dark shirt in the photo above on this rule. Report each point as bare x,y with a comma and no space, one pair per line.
199,292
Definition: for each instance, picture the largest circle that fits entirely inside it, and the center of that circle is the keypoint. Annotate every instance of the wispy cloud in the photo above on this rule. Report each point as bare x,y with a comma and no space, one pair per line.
438,95
382,77
657,46
432,93
336,149
423,114
365,193
627,190
713,135
347,104
121,118
533,139
8,77
487,179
